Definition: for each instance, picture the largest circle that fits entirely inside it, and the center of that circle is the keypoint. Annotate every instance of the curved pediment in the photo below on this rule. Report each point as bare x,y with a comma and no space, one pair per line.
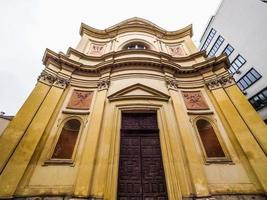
135,24
138,91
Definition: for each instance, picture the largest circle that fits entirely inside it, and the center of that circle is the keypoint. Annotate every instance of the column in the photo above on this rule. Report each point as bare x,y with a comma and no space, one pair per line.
195,163
249,145
249,115
22,155
17,127
87,164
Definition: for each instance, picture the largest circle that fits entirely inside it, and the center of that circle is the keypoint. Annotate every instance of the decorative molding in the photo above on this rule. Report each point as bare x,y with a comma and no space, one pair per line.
61,82
171,83
135,24
224,81
103,84
116,59
46,78
138,91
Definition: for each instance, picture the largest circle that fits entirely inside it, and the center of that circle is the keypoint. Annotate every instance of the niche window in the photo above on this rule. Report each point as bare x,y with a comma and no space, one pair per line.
210,143
137,46
67,140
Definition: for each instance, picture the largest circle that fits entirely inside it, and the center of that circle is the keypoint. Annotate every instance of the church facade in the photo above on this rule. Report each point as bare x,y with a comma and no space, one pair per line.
134,112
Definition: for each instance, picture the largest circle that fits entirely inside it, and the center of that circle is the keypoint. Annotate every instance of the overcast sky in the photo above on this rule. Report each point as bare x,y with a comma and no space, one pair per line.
28,27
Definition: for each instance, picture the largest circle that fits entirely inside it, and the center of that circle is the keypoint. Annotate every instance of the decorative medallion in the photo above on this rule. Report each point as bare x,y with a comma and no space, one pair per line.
96,49
194,100
177,50
80,100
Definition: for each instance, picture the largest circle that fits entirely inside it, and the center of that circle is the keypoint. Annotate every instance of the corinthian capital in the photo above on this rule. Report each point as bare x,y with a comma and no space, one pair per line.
61,82
171,83
223,81
46,78
103,84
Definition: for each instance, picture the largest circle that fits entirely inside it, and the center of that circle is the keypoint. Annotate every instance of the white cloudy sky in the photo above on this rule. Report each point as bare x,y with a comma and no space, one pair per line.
27,27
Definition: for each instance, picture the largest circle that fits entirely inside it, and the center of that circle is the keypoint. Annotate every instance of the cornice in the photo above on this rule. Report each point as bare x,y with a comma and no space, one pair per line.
135,24
113,60
139,51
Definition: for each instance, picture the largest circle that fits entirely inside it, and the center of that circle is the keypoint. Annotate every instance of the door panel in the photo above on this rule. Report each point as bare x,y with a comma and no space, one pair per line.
141,173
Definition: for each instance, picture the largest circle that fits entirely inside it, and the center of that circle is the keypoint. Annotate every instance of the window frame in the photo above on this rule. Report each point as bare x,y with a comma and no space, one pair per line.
226,48
64,161
126,46
210,160
257,95
245,76
212,29
234,63
216,46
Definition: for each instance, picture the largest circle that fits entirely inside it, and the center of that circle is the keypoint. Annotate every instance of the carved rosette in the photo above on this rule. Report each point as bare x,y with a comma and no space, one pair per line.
103,84
171,83
61,82
46,78
224,81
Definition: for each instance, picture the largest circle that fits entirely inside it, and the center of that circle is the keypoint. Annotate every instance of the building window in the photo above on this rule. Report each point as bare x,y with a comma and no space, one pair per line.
209,39
228,50
248,79
137,46
209,139
216,46
67,140
259,100
237,63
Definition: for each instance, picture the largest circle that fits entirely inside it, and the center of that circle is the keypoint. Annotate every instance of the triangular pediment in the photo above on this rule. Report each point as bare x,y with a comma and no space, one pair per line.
138,91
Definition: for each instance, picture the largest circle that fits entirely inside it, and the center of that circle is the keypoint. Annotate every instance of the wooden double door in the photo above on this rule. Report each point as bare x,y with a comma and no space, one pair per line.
141,173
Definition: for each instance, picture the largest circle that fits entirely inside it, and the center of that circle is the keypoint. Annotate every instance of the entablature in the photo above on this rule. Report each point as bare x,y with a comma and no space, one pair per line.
131,57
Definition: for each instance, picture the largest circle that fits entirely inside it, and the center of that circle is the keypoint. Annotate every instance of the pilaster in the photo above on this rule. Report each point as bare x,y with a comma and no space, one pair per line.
87,166
17,127
243,134
195,163
249,115
21,157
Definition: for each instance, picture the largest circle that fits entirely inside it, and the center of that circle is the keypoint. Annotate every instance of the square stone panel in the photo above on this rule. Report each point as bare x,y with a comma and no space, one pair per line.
194,100
80,100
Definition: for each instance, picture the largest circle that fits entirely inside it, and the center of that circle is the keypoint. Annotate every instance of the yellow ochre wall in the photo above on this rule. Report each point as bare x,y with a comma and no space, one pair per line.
149,81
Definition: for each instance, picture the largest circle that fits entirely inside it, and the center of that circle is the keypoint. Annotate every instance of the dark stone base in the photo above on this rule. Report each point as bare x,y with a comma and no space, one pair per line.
215,197
230,197
54,198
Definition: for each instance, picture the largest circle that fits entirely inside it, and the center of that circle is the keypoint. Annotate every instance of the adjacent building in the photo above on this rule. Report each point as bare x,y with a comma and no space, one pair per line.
134,112
239,30
4,121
